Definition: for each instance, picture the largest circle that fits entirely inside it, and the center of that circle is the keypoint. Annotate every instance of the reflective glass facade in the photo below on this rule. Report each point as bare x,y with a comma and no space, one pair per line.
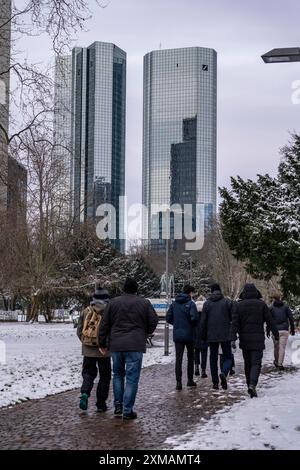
98,130
180,112
62,128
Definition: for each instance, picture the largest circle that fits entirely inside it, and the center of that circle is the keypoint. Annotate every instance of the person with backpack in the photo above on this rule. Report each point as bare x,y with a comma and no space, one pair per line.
250,314
93,360
284,320
127,322
215,329
200,346
184,317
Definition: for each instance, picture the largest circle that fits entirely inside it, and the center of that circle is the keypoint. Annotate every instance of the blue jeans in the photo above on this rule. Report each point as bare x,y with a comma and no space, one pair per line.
126,368
214,355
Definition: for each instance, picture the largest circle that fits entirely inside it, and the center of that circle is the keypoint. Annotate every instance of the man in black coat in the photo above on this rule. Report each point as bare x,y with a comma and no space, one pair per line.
215,327
127,321
249,316
183,315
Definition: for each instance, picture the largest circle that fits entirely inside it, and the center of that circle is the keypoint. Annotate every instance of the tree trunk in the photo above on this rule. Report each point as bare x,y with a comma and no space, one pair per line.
34,309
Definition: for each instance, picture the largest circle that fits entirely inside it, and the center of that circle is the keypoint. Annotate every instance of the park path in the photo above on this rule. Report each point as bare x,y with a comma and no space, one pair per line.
56,422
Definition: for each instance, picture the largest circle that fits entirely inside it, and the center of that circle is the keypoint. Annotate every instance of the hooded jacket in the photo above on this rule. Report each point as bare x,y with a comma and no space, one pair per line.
282,316
183,315
248,319
216,318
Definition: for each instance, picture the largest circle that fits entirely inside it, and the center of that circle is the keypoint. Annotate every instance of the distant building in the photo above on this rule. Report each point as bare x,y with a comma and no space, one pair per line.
16,194
179,134
98,131
183,172
184,166
62,130
5,44
13,176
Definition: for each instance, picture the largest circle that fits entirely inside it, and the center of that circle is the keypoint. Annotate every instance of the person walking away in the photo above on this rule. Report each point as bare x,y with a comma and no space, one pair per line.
215,329
200,346
249,316
87,332
284,320
183,315
126,324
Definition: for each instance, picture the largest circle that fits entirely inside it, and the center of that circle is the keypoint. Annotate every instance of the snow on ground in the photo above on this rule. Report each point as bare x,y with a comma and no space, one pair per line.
43,359
271,421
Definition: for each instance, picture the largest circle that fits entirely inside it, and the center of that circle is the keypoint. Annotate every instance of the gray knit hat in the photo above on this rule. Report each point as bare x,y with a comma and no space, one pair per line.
100,295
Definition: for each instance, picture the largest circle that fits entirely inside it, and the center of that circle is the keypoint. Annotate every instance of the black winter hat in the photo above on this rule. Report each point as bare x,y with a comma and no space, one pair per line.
215,287
100,295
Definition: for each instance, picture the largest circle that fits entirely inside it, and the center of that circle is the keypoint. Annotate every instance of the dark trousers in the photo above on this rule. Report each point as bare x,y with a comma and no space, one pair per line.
252,360
202,351
179,348
90,372
214,355
232,361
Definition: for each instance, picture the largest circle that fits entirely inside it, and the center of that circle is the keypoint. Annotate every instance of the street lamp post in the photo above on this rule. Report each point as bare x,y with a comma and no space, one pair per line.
167,331
283,54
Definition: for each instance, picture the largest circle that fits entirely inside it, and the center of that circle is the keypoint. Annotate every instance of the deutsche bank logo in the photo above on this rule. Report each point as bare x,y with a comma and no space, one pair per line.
205,68
2,352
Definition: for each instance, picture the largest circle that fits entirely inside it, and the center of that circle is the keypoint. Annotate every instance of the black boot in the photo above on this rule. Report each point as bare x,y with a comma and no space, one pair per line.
191,383
197,371
223,381
204,374
131,415
118,411
178,385
252,391
102,407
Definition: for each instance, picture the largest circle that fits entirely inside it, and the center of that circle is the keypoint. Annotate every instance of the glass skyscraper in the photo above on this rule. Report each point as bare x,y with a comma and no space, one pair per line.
62,129
179,131
98,130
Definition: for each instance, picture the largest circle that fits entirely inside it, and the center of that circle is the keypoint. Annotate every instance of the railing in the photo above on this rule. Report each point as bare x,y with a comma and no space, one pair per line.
9,315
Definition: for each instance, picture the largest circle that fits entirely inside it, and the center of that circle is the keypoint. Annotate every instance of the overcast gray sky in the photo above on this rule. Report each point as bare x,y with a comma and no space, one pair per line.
255,110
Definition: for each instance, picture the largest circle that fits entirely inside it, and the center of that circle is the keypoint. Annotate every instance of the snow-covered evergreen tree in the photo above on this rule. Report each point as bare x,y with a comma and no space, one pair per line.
261,220
91,259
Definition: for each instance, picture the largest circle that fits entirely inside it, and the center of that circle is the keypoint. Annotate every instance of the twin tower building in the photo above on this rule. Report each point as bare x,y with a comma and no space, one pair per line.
179,132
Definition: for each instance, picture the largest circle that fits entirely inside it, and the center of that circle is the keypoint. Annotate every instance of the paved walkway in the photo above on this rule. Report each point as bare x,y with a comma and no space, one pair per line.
56,422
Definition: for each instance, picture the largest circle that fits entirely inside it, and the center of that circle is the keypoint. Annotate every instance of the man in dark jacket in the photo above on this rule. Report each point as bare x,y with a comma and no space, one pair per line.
126,323
215,327
92,357
183,315
284,320
249,316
